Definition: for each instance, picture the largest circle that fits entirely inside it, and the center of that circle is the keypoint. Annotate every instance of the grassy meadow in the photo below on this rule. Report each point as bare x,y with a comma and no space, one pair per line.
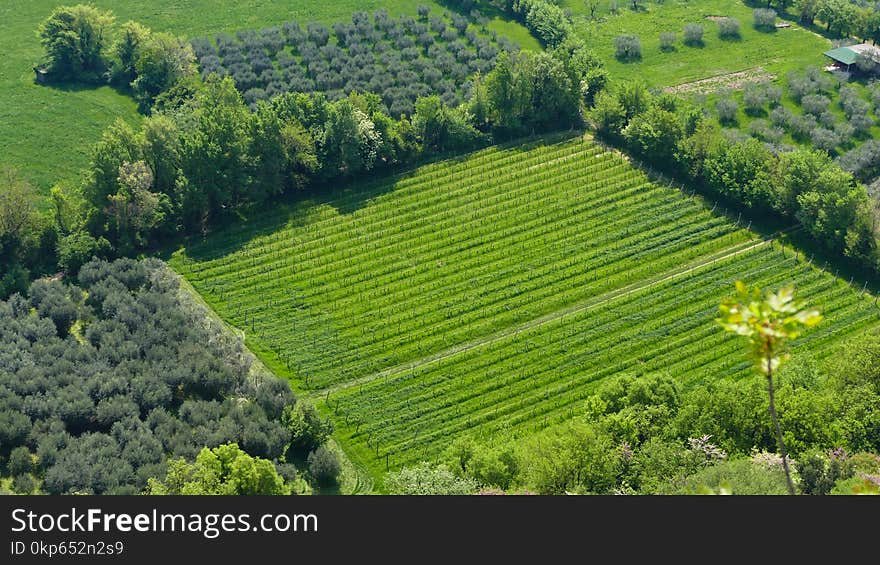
776,52
46,132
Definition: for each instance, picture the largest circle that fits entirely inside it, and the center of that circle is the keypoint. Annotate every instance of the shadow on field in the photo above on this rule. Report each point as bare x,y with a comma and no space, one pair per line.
300,208
83,86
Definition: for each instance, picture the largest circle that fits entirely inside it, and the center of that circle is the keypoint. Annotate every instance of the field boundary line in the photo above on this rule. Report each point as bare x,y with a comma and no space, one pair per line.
589,304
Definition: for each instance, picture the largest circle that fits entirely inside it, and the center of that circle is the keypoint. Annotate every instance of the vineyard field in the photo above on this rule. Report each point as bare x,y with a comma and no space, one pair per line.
488,295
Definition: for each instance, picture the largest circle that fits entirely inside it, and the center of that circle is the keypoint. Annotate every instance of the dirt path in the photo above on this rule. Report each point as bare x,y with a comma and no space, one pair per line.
734,80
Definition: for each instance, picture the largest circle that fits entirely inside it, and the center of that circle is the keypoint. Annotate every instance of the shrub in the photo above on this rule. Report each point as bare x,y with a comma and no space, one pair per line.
324,466
23,484
824,139
741,476
424,479
815,104
627,47
754,98
693,34
727,108
728,28
801,127
764,19
780,116
667,41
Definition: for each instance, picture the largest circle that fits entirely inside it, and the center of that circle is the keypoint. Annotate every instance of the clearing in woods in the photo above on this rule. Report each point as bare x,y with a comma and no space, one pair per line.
488,295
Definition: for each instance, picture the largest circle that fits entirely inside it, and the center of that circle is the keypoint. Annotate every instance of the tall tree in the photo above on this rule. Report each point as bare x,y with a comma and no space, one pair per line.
214,152
126,51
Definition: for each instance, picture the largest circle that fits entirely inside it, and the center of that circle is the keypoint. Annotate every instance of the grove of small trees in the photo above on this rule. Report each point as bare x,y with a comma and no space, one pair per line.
104,381
400,59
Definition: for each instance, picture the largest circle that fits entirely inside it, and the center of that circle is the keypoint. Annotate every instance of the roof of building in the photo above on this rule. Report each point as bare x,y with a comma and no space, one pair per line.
847,55
843,55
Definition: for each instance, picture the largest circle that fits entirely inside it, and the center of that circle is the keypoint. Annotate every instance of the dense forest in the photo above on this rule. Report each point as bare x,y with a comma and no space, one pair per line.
102,382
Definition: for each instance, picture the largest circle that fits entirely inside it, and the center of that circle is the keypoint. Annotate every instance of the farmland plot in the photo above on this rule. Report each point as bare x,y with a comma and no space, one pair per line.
488,295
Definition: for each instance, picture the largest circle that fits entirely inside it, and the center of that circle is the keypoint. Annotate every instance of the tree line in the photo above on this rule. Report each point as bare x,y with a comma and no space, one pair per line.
804,185
203,153
105,381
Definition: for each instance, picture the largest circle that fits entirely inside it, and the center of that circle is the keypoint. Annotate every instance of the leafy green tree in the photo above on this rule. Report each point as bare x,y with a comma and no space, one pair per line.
78,248
135,210
655,133
348,145
160,143
225,469
308,430
806,10
496,466
118,145
608,114
634,97
163,61
551,96
300,153
21,228
768,322
214,153
442,128
743,171
73,38
126,51
592,7
269,153
504,95
837,213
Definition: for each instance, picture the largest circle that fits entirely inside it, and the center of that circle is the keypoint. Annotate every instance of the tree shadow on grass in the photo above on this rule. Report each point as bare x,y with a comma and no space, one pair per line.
80,86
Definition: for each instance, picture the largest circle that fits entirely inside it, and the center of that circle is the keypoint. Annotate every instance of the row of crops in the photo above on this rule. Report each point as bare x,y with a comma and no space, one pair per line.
399,58
488,295
540,376
335,291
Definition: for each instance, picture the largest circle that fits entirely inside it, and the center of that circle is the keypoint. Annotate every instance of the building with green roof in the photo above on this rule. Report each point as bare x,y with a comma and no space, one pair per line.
845,57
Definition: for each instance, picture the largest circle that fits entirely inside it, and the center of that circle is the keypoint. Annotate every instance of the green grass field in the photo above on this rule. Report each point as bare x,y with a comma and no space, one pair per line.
776,52
47,132
489,294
